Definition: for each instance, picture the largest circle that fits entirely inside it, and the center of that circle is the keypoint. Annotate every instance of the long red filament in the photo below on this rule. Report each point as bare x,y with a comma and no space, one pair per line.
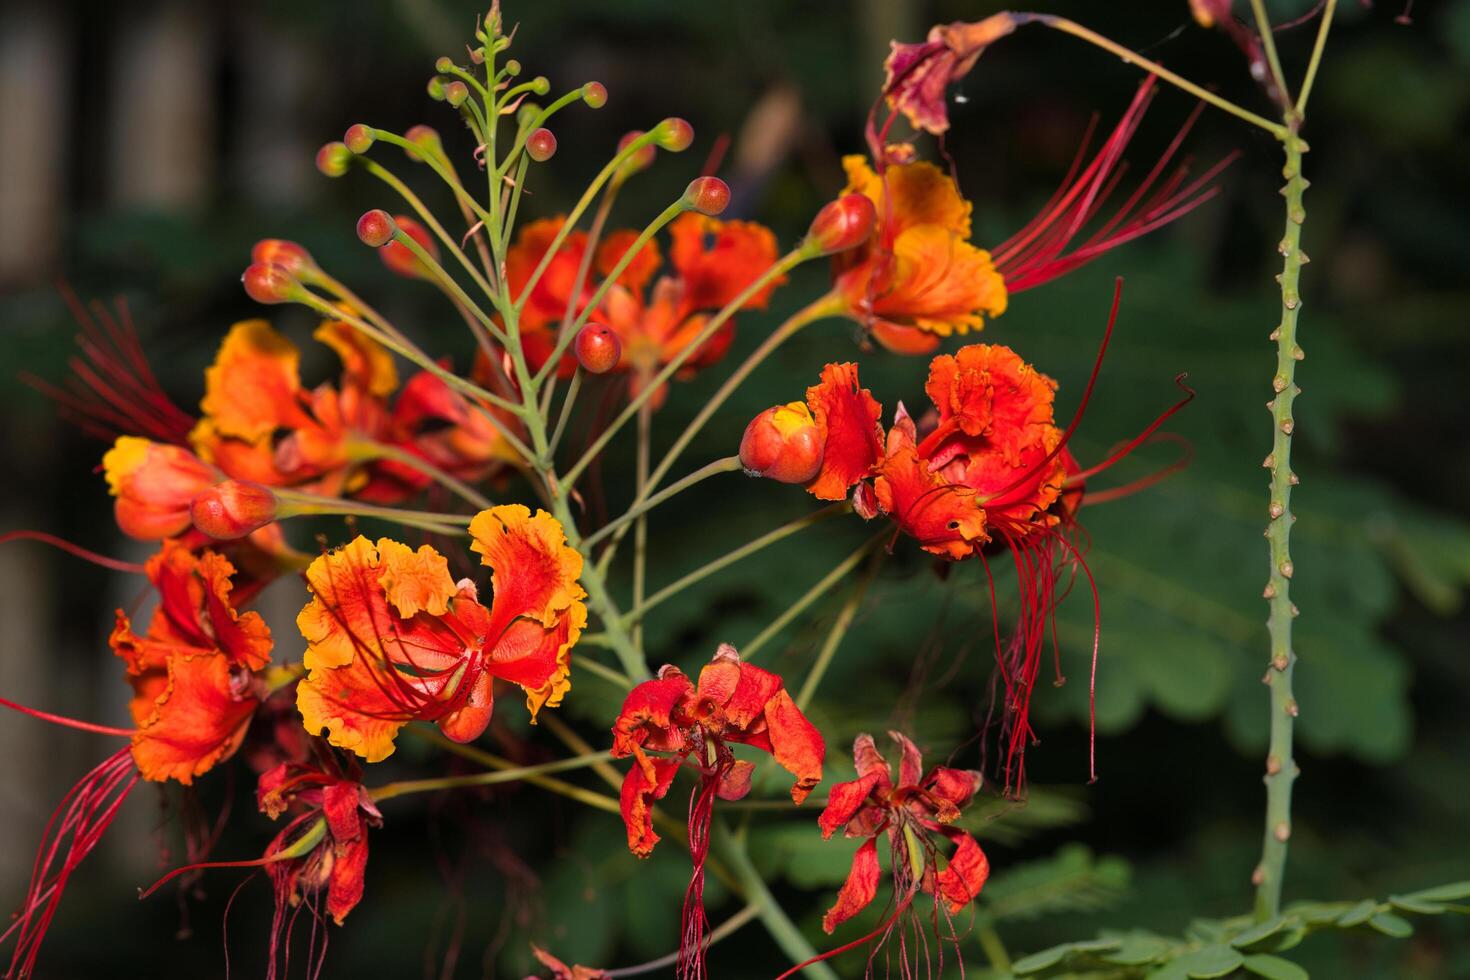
76,550
81,726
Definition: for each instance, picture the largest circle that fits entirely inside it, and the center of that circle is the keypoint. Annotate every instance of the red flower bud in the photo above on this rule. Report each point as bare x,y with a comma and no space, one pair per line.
674,134
333,159
375,228
640,160
359,138
598,348
845,223
707,195
397,257
455,93
541,144
594,94
266,282
288,255
233,509
783,444
426,138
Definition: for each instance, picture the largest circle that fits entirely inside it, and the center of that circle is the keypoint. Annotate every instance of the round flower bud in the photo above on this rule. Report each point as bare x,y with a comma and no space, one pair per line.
436,89
288,255
426,138
843,224
540,85
444,64
707,195
527,114
673,134
359,138
375,228
594,94
399,259
512,68
598,348
266,282
233,509
642,159
783,444
333,159
455,93
541,144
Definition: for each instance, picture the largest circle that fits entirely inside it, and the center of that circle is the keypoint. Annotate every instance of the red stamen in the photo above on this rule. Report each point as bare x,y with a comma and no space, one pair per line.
81,726
116,564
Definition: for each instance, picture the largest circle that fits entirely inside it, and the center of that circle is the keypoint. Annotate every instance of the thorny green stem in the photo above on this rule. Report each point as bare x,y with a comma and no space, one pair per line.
1281,768
730,558
840,626
732,853
837,574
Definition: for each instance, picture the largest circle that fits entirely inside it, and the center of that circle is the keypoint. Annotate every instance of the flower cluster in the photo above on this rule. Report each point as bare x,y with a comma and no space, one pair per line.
392,643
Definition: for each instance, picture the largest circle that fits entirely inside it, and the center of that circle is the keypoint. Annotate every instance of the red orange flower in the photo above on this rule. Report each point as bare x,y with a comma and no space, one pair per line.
669,721
912,811
711,263
391,638
154,484
195,673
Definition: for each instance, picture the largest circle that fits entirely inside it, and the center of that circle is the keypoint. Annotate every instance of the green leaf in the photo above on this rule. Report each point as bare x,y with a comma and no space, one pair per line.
1392,925
1211,961
1274,968
1037,962
1443,893
1259,932
1410,903
1070,881
1138,949
1358,914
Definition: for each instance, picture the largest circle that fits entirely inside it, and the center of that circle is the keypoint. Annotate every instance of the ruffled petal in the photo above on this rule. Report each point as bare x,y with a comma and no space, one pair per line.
197,721
642,787
968,869
366,364
844,800
415,580
360,706
859,889
910,195
847,414
253,386
946,519
647,716
532,569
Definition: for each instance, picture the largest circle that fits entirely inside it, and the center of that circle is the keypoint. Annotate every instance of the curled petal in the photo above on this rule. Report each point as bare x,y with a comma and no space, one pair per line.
859,889
735,780
796,743
366,364
848,416
918,74
955,786
946,519
642,787
647,717
968,869
537,658
870,762
844,800
910,763
987,390
197,721
253,386
348,878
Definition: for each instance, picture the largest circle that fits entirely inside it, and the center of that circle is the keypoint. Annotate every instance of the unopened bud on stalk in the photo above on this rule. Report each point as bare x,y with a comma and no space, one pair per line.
527,114
707,195
444,64
594,94
426,138
375,228
436,89
400,259
512,68
673,134
541,144
598,348
845,223
288,255
333,159
359,138
268,283
233,509
540,85
640,160
455,93
783,444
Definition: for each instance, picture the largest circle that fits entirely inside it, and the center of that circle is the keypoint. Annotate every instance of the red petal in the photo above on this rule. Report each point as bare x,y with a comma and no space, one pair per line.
844,800
858,891
641,787
966,874
848,415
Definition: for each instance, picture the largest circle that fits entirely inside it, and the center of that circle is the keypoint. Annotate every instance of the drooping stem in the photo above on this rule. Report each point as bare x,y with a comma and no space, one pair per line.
719,932
1281,768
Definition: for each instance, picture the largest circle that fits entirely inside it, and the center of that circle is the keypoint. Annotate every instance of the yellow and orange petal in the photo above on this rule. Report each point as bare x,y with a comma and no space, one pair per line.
987,390
909,196
197,721
366,364
938,283
847,414
717,260
346,612
415,580
355,706
253,386
533,570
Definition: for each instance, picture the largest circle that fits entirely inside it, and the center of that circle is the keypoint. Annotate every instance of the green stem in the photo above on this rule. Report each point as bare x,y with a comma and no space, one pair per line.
407,786
784,265
489,761
377,450
573,389
295,504
1268,42
719,932
744,551
731,852
837,574
1152,67
1310,77
995,949
1281,768
594,236
640,523
840,626
727,465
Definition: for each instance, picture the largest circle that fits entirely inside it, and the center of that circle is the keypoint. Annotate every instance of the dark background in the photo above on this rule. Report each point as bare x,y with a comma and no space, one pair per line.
145,146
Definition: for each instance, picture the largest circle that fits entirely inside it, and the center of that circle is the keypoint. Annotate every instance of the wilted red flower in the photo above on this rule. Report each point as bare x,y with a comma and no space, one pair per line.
195,673
912,811
668,722
919,74
711,262
391,638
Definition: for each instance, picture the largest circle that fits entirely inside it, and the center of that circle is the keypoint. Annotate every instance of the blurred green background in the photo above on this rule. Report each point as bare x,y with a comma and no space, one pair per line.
145,146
